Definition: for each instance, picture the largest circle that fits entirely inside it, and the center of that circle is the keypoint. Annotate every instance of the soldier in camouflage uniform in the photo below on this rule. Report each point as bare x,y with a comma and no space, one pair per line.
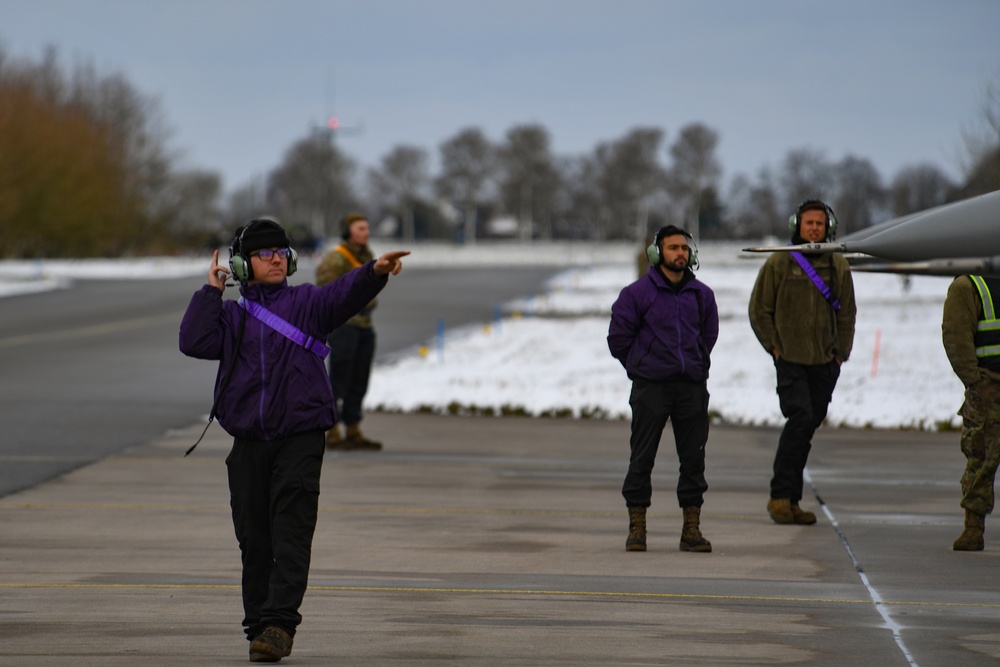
970,332
352,345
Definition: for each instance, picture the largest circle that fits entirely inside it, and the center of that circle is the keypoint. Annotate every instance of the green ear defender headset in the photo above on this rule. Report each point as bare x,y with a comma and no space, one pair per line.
815,205
654,252
239,262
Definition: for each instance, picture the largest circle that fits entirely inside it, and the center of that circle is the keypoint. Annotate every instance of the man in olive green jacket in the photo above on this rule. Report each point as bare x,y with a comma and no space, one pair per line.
352,345
970,332
809,335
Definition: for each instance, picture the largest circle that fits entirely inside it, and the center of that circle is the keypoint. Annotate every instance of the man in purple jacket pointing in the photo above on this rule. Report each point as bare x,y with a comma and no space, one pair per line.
663,328
273,396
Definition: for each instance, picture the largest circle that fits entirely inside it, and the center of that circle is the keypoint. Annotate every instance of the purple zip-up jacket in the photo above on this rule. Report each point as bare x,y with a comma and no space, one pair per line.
278,388
661,333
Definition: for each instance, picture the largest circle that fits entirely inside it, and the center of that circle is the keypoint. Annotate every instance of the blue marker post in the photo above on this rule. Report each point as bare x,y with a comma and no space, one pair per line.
440,340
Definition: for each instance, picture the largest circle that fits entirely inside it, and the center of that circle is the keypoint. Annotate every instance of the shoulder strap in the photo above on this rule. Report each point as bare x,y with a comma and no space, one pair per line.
810,271
289,331
348,255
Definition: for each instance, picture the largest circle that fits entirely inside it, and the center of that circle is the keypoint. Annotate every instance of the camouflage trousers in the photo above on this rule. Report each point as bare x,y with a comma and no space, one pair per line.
980,444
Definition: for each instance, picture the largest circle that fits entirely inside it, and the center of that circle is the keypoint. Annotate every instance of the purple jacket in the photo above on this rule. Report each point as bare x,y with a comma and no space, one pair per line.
661,333
277,388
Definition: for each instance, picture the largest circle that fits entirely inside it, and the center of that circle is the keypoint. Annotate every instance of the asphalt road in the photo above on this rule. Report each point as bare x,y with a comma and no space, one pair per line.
91,370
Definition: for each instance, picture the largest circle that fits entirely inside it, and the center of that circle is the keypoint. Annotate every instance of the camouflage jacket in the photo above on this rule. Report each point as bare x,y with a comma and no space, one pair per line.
342,260
962,308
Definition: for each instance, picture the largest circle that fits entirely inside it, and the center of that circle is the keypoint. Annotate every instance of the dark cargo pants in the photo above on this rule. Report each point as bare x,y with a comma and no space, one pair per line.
274,495
804,394
685,404
352,350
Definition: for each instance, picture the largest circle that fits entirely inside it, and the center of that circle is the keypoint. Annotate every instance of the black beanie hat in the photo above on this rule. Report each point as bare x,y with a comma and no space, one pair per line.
261,233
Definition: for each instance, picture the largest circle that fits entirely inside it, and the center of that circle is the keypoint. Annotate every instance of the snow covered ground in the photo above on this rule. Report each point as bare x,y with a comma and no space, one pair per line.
548,354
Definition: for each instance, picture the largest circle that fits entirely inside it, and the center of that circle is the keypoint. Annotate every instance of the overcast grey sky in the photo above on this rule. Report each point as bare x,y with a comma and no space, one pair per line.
239,81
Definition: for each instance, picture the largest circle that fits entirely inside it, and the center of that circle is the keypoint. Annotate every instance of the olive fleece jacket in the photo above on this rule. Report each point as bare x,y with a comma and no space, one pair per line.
788,313
962,308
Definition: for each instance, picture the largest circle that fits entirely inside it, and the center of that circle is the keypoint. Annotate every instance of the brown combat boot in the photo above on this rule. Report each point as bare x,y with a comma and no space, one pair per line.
334,440
691,537
271,645
780,510
357,441
971,538
800,516
636,540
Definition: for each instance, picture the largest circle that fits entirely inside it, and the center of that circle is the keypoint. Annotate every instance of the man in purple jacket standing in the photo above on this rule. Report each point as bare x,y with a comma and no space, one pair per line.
663,328
273,396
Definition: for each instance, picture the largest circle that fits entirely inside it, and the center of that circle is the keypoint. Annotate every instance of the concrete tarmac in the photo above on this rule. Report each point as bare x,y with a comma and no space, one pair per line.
500,541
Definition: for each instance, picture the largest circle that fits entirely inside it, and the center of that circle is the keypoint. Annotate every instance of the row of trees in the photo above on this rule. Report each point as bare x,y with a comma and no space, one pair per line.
84,168
85,171
622,190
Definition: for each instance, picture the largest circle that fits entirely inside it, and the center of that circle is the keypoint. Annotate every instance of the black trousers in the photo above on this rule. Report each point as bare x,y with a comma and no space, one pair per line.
274,495
352,350
685,404
804,394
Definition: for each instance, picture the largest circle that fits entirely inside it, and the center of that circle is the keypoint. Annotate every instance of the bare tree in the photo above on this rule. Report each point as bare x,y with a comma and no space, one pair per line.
629,177
313,185
695,169
753,206
918,188
400,181
190,201
579,200
247,202
805,174
467,164
530,181
981,161
860,198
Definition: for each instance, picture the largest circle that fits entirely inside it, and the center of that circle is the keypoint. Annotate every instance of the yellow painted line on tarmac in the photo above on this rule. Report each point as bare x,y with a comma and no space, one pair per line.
339,510
427,511
109,506
93,330
519,591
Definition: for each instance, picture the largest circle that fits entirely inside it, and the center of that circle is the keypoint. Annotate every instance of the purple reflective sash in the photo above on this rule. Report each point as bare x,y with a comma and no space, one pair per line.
286,329
823,288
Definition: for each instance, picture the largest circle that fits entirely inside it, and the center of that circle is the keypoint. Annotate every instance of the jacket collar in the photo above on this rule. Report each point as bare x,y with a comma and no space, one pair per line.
261,292
661,280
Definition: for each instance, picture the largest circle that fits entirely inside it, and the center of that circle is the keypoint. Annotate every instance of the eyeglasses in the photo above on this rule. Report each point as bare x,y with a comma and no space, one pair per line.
267,254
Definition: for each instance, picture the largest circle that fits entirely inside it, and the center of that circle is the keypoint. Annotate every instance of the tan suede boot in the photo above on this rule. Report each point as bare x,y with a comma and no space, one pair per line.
357,440
780,510
691,537
334,440
636,540
971,538
802,517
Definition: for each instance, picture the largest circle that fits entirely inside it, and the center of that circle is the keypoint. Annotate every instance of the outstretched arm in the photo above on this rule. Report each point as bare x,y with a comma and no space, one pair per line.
390,262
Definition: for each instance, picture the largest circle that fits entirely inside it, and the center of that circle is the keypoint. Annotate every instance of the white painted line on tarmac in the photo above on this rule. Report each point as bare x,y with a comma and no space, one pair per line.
880,605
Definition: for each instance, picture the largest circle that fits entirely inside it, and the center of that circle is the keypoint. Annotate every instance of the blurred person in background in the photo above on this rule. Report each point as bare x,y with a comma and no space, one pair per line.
352,345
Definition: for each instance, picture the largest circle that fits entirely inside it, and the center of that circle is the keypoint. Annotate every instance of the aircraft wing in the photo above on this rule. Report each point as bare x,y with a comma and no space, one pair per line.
950,240
968,228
